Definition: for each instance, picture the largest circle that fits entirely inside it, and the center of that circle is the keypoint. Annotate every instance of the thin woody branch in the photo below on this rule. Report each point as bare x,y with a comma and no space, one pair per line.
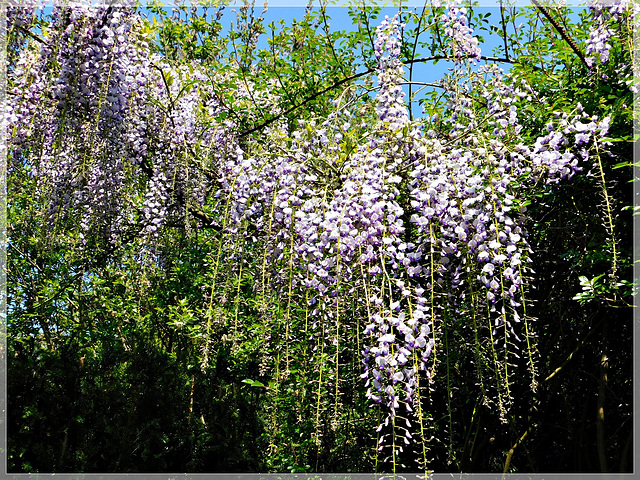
348,79
561,31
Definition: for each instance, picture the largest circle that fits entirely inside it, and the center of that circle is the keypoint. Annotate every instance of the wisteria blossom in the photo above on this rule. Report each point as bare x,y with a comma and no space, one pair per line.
104,73
464,44
369,222
608,18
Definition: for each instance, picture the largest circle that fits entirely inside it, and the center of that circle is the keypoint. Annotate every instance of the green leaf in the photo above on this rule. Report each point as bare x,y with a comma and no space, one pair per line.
254,383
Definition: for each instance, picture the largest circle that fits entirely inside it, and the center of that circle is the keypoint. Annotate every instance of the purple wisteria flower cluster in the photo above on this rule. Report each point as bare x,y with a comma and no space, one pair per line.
102,109
424,227
614,23
402,343
20,15
383,224
608,16
464,44
467,224
338,220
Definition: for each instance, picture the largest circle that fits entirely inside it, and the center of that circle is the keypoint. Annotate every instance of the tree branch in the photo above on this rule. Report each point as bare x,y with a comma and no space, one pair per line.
561,31
304,102
348,79
507,462
207,221
575,350
32,35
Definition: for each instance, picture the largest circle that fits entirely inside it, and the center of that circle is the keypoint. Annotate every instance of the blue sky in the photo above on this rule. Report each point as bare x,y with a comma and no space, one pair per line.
340,20
288,10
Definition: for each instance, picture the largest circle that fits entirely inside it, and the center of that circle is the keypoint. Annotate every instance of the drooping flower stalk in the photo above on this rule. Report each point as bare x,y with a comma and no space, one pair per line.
384,239
464,44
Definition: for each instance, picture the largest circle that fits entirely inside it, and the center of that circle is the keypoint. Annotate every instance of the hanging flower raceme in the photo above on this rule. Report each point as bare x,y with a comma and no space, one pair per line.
464,44
605,15
401,341
109,117
390,105
78,80
468,246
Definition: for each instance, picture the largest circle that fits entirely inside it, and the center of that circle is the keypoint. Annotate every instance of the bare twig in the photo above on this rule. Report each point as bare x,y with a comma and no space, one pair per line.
504,31
575,350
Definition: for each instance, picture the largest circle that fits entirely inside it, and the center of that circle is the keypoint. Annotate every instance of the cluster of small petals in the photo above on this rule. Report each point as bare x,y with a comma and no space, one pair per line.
606,15
20,14
552,155
388,45
389,367
464,44
463,211
390,105
598,45
96,87
155,204
397,343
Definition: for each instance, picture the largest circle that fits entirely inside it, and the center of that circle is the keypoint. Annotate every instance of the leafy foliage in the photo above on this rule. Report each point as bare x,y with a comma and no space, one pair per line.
234,254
